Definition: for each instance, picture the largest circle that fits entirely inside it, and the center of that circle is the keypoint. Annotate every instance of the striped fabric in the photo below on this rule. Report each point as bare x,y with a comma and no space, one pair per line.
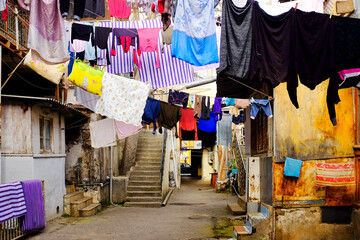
12,201
172,71
335,175
35,216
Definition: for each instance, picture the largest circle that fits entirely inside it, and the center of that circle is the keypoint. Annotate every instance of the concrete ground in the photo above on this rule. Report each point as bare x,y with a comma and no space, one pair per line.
195,211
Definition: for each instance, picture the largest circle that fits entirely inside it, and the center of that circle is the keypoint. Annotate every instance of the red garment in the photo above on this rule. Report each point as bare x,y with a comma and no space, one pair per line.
188,122
5,14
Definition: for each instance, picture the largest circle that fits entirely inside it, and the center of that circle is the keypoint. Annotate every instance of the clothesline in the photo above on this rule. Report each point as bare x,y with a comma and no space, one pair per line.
269,97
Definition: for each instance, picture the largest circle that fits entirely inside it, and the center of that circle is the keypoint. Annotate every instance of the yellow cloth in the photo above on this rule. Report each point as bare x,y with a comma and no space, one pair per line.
87,77
50,71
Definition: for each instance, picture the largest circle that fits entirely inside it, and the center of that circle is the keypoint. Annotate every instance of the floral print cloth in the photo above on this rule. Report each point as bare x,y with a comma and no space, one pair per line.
123,99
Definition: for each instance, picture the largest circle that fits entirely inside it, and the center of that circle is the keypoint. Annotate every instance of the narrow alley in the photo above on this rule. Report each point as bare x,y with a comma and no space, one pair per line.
193,212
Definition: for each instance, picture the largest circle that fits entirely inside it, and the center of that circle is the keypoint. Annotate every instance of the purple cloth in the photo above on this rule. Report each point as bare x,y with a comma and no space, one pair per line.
128,32
35,216
217,108
12,201
47,31
176,97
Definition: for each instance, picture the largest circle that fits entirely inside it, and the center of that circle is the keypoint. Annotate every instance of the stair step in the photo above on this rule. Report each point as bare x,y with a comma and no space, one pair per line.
142,204
235,209
148,164
90,210
148,159
147,168
144,193
144,188
143,183
240,230
68,198
79,204
143,199
255,218
242,202
145,178
145,173
149,149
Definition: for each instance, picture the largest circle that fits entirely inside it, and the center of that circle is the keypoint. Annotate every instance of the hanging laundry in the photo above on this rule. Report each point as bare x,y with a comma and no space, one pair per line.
177,97
194,36
205,108
197,106
81,32
292,167
173,71
50,71
173,9
191,101
71,62
86,77
119,9
169,116
208,125
77,46
12,201
151,112
90,50
224,131
165,10
21,4
125,130
217,108
188,122
187,135
46,32
272,50
5,14
79,7
239,119
101,42
230,101
257,104
347,56
242,103
3,5
349,73
34,218
103,133
149,42
208,139
335,175
123,99
86,99
144,4
167,37
125,37
313,49
94,8
236,38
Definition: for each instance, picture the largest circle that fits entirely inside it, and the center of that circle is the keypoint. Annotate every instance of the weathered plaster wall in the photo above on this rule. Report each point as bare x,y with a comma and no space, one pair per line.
307,133
166,170
206,167
16,134
129,156
305,223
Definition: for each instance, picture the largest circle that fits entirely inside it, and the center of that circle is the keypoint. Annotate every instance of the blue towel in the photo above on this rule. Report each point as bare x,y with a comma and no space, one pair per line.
292,167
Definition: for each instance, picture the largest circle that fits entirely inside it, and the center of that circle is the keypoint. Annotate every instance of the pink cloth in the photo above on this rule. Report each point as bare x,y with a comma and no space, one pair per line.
77,46
119,9
242,103
349,73
125,130
148,41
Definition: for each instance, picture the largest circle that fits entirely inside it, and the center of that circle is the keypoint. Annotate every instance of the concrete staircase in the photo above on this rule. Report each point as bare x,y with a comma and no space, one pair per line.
144,188
76,205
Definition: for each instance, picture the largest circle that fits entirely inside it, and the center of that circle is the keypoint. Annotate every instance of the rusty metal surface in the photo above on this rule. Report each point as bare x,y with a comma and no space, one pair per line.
289,189
307,133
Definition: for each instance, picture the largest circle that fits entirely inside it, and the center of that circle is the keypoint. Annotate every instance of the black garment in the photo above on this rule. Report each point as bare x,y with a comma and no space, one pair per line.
241,118
79,6
168,117
313,46
101,40
272,53
347,56
81,32
207,139
187,135
94,8
205,108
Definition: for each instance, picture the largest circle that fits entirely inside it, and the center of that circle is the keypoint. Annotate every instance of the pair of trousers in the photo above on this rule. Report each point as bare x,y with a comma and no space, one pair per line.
79,7
257,104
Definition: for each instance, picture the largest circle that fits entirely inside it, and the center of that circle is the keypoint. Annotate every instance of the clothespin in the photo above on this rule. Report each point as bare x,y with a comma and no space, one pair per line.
271,98
296,5
332,11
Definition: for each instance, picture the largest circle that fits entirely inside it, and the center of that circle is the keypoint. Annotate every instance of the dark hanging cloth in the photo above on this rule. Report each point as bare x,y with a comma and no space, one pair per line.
101,40
169,116
81,32
239,119
205,108
272,53
165,11
151,112
314,50
228,87
94,8
187,135
176,97
208,139
79,7
236,39
347,56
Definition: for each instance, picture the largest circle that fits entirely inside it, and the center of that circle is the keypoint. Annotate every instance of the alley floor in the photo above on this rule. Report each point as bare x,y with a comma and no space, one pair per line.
195,211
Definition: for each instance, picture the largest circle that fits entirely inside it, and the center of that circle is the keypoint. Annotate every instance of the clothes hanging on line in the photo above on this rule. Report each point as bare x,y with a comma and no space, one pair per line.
224,131
177,97
236,39
79,7
125,37
94,8
239,119
119,9
101,41
335,175
197,106
165,10
12,201
205,108
208,139
81,32
208,125
149,42
194,36
103,133
230,101
217,108
125,130
257,104
34,218
86,98
187,135
169,116
242,103
188,122
151,112
292,167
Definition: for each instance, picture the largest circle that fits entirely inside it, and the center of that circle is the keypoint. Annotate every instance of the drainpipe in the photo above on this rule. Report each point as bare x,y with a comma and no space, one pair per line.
111,172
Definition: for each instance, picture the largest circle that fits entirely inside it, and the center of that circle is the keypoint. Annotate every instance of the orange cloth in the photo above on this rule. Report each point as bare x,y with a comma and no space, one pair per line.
188,122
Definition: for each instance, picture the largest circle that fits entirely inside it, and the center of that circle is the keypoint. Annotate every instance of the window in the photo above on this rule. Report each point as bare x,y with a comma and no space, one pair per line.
259,135
45,134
